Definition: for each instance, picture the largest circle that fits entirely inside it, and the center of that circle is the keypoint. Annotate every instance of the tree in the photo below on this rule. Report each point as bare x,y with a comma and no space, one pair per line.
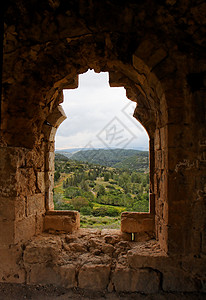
56,175
72,192
79,202
101,190
65,183
84,186
106,176
58,200
112,212
99,212
86,210
135,178
126,188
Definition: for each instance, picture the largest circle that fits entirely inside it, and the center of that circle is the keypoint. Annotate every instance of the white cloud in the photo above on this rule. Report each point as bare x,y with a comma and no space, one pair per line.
90,108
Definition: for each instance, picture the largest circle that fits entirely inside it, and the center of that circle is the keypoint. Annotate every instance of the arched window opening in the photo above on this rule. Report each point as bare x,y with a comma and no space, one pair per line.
101,156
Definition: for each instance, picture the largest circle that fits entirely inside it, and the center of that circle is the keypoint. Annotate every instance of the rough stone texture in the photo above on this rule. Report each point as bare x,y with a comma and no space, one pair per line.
143,280
61,221
140,224
79,260
94,277
156,50
11,269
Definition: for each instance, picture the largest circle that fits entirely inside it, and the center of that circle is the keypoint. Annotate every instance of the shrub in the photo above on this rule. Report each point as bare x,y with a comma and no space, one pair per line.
56,175
105,211
113,182
86,210
67,206
110,187
100,211
72,192
101,190
106,176
112,212
58,201
141,206
79,202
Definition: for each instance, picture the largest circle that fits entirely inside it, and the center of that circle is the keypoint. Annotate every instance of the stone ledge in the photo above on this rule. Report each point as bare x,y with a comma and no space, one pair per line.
61,221
132,222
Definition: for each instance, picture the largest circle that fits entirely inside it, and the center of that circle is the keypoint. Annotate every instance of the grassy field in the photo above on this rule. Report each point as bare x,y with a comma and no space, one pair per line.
119,208
100,222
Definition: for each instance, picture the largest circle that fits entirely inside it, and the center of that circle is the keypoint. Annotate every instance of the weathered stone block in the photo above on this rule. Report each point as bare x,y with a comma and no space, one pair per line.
42,250
157,141
49,181
177,238
11,158
6,233
49,200
42,274
12,208
143,280
162,230
63,221
25,229
178,281
41,181
7,211
159,161
163,137
148,255
140,66
49,163
35,204
39,225
35,158
8,183
26,179
10,269
94,277
132,222
49,132
57,116
152,203
107,248
68,275
77,247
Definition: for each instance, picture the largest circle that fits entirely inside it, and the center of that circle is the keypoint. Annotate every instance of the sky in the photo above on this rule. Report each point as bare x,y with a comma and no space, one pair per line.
99,116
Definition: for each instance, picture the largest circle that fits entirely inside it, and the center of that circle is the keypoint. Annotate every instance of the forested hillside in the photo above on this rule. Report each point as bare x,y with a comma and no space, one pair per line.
120,158
99,192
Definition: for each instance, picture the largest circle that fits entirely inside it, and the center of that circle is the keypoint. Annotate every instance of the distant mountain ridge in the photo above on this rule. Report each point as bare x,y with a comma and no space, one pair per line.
118,158
71,150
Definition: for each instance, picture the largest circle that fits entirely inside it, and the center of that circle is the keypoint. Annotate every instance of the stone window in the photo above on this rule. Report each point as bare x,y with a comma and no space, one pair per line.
139,226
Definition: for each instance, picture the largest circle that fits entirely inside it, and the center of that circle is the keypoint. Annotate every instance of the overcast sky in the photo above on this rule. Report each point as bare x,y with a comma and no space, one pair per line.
99,116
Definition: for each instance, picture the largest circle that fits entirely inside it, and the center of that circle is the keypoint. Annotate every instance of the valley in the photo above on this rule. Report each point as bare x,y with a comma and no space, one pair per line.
100,191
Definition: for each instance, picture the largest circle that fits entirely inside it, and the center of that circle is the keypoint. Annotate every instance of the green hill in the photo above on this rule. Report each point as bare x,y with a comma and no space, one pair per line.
59,156
134,163
118,158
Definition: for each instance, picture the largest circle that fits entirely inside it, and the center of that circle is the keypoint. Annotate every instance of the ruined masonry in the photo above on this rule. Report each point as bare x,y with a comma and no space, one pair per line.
156,51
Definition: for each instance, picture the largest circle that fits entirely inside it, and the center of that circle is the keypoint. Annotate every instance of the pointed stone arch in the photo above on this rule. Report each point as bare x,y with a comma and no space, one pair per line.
144,49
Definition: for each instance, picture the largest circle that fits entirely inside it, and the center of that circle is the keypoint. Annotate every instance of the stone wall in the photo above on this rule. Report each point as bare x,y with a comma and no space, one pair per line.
104,261
22,194
156,51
